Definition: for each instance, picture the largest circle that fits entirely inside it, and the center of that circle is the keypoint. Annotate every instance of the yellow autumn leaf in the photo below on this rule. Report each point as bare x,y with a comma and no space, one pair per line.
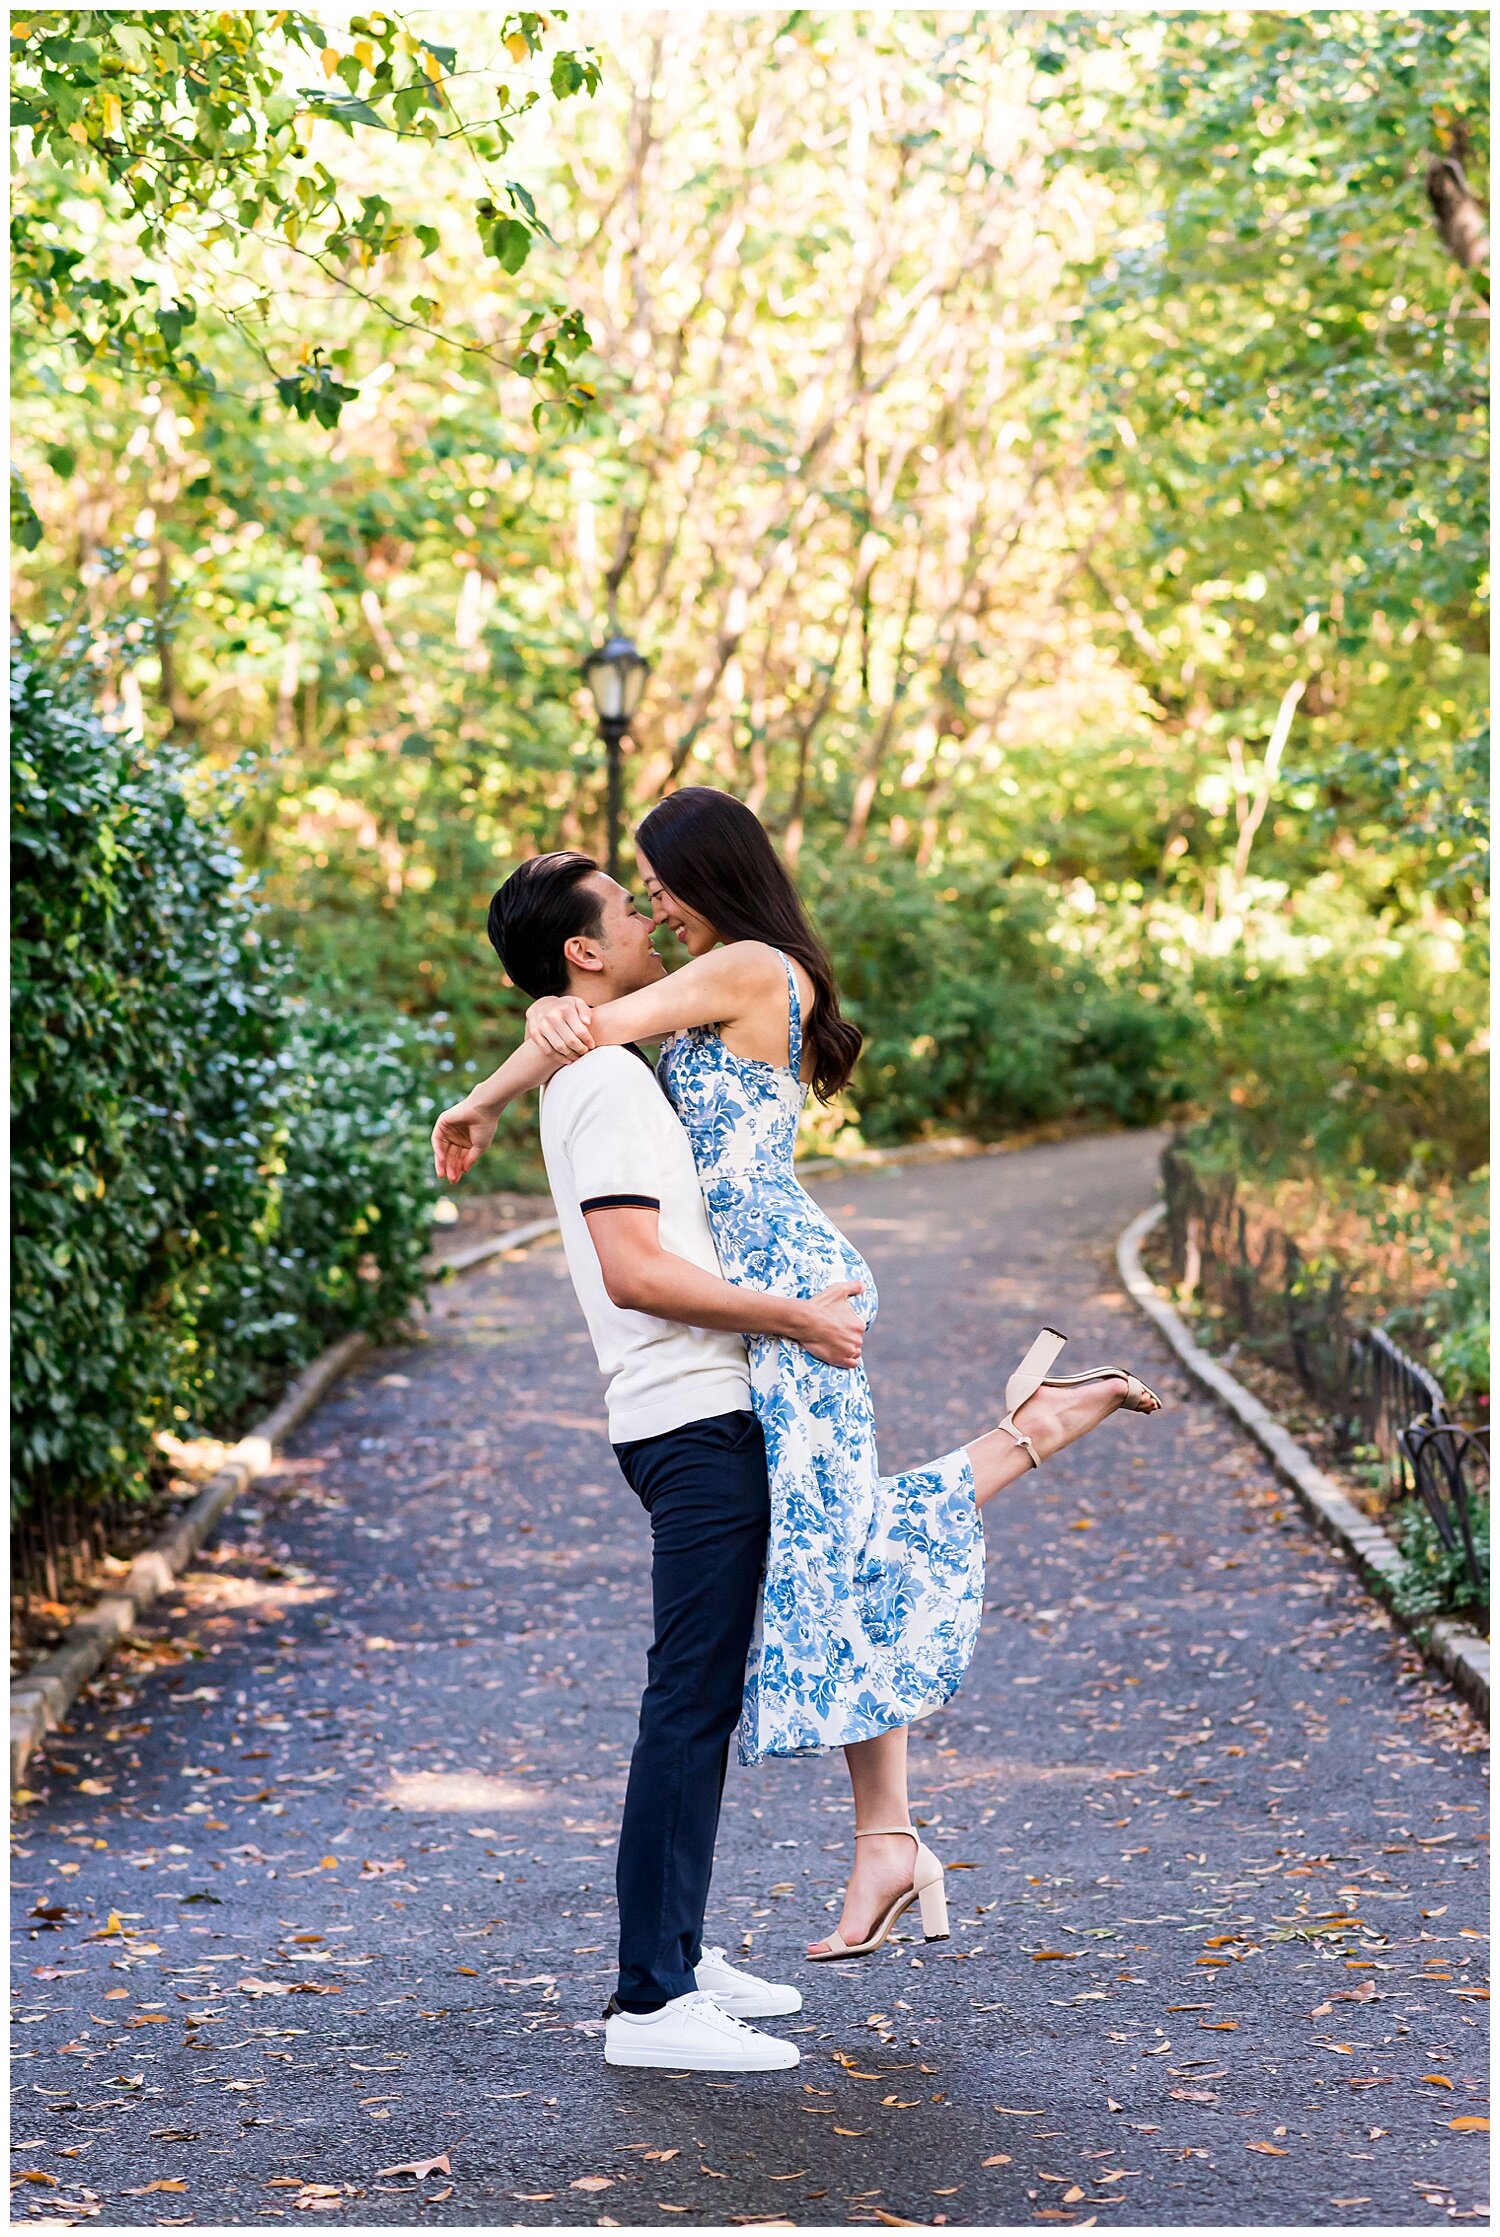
518,46
328,1864
1476,2121
331,61
1438,2081
112,117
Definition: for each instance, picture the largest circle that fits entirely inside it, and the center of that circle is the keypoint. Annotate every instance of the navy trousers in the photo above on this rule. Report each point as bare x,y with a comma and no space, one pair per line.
704,1487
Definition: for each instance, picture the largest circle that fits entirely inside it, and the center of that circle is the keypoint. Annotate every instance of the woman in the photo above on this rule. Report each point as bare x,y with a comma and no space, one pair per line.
874,1585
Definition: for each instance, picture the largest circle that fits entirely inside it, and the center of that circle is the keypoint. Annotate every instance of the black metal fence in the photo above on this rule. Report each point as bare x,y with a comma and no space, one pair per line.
1270,1300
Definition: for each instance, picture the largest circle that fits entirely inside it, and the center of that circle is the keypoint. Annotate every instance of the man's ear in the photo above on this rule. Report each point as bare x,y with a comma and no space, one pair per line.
582,954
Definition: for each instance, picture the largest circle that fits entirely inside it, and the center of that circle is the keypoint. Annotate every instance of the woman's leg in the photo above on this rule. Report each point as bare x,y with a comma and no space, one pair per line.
1052,1419
882,1865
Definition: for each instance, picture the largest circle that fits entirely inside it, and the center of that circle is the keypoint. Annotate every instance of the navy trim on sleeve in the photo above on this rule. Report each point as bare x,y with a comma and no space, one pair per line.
629,1203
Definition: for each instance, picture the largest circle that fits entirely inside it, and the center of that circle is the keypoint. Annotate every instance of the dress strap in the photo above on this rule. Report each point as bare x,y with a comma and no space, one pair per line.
793,1021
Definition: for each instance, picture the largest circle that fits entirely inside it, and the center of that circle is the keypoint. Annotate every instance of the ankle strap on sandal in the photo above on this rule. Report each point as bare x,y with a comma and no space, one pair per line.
861,1830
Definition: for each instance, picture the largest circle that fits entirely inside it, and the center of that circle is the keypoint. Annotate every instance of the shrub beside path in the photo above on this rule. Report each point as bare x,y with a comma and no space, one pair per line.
319,1884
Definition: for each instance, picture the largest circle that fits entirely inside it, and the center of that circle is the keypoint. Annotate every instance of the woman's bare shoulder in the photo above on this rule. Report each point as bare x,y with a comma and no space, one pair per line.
756,963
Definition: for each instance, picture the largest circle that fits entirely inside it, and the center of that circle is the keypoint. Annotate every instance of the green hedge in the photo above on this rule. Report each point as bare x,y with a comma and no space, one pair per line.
211,1177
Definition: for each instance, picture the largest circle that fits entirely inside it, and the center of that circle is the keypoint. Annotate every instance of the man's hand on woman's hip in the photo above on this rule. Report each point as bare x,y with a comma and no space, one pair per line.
828,1326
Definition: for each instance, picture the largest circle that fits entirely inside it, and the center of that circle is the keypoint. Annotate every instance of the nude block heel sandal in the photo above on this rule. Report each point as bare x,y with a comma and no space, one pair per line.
1032,1376
926,1890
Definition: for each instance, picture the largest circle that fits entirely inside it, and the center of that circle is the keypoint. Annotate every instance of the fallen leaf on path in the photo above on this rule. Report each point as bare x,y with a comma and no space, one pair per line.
1276,2151
1438,2081
600,2182
1039,1957
35,2175
163,2182
1021,2112
1475,2121
996,2159
421,2168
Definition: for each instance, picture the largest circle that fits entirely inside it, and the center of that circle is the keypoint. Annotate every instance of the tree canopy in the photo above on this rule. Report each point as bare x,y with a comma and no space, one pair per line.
1041,454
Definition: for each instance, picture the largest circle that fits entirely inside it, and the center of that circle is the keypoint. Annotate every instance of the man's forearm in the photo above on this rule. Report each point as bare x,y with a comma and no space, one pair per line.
672,1288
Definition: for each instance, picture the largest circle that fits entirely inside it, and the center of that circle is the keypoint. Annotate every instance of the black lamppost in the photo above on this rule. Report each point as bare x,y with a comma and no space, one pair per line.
616,676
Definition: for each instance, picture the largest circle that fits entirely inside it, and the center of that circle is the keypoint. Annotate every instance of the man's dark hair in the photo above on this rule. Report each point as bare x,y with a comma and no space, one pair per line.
536,912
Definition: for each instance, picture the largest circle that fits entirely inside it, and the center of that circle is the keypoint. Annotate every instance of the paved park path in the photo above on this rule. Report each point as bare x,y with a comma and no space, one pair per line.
320,1881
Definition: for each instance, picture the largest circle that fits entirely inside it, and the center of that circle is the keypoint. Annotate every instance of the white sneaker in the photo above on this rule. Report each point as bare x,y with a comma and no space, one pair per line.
742,1994
694,2032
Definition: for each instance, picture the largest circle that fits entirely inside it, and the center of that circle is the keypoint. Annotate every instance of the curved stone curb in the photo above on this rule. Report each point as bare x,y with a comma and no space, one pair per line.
1462,1655
491,1246
41,1696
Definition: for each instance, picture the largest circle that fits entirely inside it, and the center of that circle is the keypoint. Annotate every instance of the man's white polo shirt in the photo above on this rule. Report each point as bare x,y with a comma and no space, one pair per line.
609,1136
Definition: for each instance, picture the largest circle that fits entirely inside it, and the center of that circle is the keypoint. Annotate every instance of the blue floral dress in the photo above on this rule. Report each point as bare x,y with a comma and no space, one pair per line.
874,1584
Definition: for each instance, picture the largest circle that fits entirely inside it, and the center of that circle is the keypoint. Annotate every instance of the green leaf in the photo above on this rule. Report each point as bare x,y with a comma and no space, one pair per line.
25,525
507,240
173,319
345,108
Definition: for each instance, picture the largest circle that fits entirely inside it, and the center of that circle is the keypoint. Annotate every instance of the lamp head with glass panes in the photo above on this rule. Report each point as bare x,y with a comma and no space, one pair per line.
616,676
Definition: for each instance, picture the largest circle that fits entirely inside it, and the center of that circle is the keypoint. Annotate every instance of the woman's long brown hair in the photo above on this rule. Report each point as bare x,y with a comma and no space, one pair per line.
712,853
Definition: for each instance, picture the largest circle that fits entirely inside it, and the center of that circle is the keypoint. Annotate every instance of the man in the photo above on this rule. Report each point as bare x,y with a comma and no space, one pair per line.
668,1331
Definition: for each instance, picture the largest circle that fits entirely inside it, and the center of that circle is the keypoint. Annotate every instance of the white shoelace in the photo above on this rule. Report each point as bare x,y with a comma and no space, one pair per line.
704,2001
